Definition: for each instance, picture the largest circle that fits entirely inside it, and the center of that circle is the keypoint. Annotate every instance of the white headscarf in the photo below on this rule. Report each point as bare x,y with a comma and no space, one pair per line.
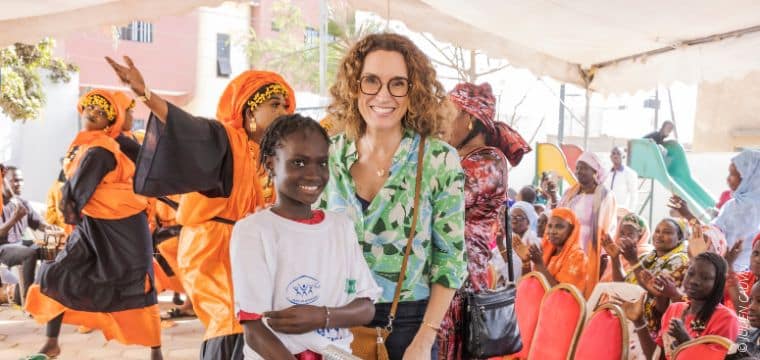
529,211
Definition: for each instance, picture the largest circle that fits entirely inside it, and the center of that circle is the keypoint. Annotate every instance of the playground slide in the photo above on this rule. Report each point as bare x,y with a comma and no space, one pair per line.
673,173
549,157
572,154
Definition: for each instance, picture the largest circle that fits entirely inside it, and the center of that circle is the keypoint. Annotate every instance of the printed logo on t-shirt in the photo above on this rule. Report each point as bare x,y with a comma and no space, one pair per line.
332,334
350,286
303,290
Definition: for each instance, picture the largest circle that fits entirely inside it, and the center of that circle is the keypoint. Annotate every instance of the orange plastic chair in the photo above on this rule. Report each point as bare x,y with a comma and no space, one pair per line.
605,336
706,347
531,290
560,321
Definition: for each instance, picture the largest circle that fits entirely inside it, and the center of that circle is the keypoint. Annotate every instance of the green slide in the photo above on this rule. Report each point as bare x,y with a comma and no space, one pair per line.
645,157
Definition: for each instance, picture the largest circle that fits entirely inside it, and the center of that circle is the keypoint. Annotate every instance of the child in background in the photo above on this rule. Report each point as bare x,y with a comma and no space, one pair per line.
299,276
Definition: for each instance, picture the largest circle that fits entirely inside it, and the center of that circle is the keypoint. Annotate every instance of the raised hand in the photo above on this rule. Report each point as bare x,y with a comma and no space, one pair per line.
665,284
628,249
609,246
521,249
536,255
680,205
733,253
129,74
698,243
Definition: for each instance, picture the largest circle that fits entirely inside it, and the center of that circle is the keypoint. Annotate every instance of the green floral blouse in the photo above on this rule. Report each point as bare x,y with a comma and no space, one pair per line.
438,252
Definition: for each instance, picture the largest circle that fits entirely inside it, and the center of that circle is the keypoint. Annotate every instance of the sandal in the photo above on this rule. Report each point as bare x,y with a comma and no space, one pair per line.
177,300
176,313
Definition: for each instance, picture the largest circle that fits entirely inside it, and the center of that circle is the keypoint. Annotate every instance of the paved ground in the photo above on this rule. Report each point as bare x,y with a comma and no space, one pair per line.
21,336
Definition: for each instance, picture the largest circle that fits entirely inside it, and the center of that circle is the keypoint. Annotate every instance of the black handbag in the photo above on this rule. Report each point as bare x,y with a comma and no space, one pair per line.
491,323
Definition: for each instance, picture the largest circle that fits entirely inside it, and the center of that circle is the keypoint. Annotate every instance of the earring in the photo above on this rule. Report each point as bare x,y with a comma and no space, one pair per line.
107,129
469,126
269,178
252,125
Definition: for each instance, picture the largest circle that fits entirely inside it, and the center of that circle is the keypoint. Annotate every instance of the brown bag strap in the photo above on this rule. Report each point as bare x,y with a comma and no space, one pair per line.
410,240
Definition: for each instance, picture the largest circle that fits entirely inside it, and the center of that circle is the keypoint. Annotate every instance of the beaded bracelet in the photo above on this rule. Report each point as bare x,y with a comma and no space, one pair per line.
327,317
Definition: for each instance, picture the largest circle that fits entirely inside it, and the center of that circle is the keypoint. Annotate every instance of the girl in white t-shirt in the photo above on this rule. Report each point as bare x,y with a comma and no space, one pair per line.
299,276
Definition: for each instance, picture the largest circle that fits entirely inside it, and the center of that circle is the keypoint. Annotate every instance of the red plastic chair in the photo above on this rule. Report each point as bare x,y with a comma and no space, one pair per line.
560,321
605,336
706,347
531,290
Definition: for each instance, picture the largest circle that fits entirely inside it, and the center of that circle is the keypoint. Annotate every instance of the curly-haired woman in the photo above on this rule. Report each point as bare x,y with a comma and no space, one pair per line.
387,99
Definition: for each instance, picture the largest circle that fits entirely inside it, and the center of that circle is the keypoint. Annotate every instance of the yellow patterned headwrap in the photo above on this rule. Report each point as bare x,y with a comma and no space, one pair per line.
101,102
265,93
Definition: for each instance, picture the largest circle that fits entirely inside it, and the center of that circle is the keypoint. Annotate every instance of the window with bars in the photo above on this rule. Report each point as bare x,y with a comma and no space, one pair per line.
223,66
139,31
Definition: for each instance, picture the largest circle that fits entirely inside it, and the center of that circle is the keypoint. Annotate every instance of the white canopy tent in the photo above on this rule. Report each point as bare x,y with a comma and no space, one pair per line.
605,46
31,20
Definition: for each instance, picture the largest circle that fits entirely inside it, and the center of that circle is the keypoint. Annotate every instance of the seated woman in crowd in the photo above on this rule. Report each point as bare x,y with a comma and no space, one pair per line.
291,305
701,315
560,257
633,228
523,219
659,271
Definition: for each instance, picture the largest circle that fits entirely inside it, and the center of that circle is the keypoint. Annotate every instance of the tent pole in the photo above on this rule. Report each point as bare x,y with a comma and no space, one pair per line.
561,129
672,114
586,120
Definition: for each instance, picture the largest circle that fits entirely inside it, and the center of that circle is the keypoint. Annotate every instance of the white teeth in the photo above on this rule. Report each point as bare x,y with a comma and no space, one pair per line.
309,188
383,110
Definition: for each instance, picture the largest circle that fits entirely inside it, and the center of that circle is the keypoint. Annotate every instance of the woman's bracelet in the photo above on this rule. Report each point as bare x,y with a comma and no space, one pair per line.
327,317
431,325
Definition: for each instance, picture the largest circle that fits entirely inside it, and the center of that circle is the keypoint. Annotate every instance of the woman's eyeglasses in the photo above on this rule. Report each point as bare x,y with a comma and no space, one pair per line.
397,86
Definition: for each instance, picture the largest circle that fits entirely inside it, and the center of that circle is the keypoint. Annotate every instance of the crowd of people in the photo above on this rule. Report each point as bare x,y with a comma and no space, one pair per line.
291,238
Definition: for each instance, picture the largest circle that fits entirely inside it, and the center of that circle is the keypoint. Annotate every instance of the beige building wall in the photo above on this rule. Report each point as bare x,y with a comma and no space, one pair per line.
728,115
233,19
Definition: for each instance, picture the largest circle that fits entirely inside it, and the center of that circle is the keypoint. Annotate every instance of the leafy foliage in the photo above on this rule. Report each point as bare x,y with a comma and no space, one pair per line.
22,92
288,53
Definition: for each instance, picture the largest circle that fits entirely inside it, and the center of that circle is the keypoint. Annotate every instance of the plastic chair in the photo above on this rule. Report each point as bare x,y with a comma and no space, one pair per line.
531,290
560,321
605,336
706,347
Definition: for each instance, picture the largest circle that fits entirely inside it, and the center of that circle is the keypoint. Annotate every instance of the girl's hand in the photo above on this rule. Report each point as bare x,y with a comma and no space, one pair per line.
297,319
609,246
536,255
678,331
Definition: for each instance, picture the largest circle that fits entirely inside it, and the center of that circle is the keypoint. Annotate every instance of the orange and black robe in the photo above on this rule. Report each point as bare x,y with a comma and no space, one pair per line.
104,277
214,166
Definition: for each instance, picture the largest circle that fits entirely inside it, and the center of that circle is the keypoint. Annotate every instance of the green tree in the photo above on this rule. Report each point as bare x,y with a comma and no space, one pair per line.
22,92
288,53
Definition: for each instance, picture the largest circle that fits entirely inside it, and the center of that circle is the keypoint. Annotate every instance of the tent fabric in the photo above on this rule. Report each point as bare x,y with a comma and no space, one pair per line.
30,21
630,46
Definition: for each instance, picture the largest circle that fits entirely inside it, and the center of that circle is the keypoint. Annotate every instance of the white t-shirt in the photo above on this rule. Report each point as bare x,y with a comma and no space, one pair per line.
278,263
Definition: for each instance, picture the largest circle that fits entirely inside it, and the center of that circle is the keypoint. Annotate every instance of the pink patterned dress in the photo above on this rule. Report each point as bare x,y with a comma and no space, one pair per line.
485,191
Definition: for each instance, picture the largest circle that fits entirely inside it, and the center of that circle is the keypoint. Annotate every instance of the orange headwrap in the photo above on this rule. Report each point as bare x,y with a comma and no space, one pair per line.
573,241
115,127
235,97
123,101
